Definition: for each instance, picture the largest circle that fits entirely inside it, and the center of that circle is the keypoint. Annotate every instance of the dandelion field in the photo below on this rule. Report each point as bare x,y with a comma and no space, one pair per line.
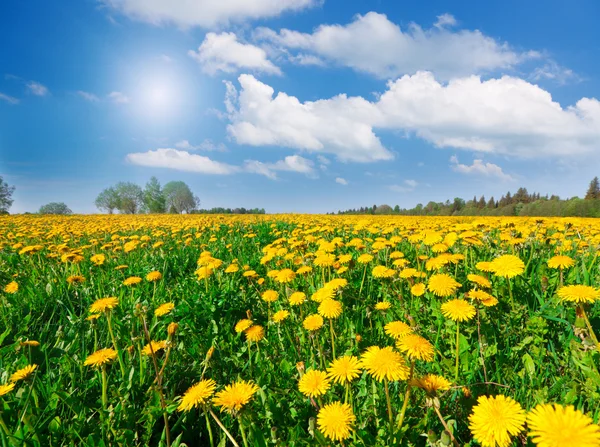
299,330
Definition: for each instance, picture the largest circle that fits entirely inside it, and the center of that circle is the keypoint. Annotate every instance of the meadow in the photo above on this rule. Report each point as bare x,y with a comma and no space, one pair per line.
297,330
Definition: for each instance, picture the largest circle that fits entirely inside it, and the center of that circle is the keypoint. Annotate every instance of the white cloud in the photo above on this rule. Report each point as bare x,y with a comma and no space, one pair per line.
180,161
118,97
223,52
206,145
371,43
37,89
341,181
406,186
9,99
204,13
88,96
339,126
554,72
480,168
292,163
445,20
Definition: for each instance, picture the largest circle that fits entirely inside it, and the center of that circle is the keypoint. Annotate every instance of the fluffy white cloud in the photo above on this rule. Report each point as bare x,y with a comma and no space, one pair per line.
9,99
292,163
341,181
204,13
406,186
88,96
554,72
180,161
479,168
506,116
373,44
118,97
340,125
37,89
206,145
223,52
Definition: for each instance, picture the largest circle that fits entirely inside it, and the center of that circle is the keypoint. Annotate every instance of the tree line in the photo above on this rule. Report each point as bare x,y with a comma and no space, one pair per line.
521,203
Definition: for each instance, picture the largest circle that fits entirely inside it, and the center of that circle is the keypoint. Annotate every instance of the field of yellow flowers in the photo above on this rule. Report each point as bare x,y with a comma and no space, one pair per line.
299,330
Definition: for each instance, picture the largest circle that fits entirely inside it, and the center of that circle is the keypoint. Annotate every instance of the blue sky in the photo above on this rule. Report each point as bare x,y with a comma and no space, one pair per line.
298,105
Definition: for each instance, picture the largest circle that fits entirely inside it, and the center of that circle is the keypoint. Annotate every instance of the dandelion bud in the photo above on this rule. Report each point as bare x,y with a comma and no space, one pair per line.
249,314
466,391
172,329
300,367
130,349
358,338
210,353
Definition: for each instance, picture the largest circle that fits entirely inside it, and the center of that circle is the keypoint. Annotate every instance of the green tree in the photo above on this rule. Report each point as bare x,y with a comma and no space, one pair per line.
129,197
6,193
179,198
55,208
593,192
154,199
108,200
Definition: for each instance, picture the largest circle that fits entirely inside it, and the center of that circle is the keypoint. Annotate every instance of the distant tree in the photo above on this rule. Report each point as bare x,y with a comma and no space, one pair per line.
108,200
129,197
458,204
481,202
55,208
397,209
383,209
491,203
179,198
154,199
6,193
593,192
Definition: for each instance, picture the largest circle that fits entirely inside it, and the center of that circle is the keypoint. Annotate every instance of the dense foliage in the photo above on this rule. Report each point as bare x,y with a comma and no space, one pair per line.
108,320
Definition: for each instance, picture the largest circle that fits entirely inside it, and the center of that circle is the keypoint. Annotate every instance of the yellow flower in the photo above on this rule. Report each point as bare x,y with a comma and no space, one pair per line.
313,322
383,305
397,329
197,395
365,259
11,287
93,317
235,396
303,270
344,369
485,298
335,421
76,279
297,298
442,285
314,383
560,262
507,266
5,389
104,304
495,419
484,266
384,363
285,276
242,325
254,333
100,357
154,346
480,281
23,373
458,310
336,284
330,308
172,329
416,347
326,260
281,315
269,296
578,294
432,383
132,281
164,309
232,268
250,274
381,271
154,276
418,289
30,343
203,272
558,426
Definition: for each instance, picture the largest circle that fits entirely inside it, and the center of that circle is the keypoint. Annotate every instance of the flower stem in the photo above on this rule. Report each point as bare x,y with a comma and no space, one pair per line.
439,415
114,342
457,351
242,431
210,433
589,326
406,396
104,388
220,424
389,405
332,337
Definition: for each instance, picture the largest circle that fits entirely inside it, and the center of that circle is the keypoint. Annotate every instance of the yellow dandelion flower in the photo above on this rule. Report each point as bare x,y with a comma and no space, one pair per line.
197,395
495,420
416,347
484,266
11,287
558,426
335,421
98,259
100,357
30,343
250,274
281,315
458,310
344,369
384,363
330,308
313,322
93,317
164,309
269,296
232,268
418,289
578,294
297,298
479,280
507,266
431,383
5,389
397,329
383,305
76,279
23,373
132,281
285,276
314,383
254,333
154,276
303,270
379,271
154,346
442,285
561,262
235,396
104,304
365,259
242,325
